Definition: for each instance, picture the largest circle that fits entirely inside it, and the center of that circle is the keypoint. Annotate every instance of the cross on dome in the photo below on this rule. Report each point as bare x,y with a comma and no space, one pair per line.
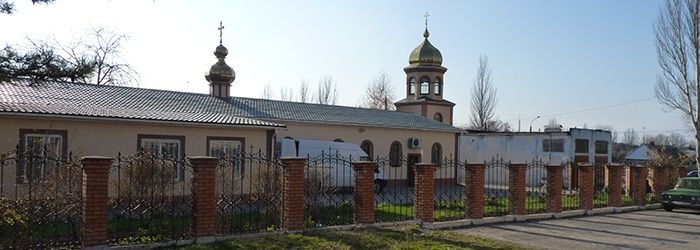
221,31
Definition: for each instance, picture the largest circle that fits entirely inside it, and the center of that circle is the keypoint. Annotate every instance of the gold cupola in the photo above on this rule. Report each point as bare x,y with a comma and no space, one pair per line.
425,53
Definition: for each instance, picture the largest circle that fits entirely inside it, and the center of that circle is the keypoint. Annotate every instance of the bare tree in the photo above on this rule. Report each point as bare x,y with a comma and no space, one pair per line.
267,92
9,7
483,97
379,94
286,94
630,137
103,51
327,91
304,91
677,33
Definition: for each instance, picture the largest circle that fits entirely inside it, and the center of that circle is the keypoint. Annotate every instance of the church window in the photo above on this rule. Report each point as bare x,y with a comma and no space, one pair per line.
436,153
395,154
436,86
368,148
437,117
424,86
412,87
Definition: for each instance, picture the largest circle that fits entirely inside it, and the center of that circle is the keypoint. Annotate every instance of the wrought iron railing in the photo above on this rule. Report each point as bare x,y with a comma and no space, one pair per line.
249,193
328,190
40,201
150,199
536,186
394,192
496,187
570,193
449,191
601,195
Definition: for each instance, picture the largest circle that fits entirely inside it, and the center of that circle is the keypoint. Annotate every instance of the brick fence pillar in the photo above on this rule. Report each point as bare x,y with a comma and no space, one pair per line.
639,180
661,181
204,196
364,191
474,190
293,193
587,179
425,191
95,199
555,183
615,184
516,187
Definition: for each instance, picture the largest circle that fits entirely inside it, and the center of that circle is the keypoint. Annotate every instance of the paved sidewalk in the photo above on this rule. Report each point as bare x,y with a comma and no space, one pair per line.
649,229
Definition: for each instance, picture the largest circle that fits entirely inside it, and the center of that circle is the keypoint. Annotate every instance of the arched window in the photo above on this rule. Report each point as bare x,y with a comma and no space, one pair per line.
425,86
395,154
412,86
436,153
338,140
436,86
367,146
437,117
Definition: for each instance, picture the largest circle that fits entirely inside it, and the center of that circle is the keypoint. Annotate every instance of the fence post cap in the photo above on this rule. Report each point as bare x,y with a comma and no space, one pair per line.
425,165
292,158
95,157
201,157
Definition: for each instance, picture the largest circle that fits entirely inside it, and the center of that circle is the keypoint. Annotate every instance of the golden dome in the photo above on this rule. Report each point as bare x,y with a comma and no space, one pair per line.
425,53
220,72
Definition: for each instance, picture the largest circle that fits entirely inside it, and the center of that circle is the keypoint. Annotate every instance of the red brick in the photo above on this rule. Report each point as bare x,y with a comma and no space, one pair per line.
474,190
517,188
293,193
554,188
95,202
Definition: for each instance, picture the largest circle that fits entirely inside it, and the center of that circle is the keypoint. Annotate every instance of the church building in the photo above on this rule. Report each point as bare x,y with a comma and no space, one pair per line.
54,118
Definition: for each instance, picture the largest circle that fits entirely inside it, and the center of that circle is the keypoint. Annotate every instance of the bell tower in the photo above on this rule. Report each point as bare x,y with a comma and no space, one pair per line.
424,83
220,75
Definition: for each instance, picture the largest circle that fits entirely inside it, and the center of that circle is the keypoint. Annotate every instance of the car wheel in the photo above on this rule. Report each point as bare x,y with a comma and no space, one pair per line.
668,208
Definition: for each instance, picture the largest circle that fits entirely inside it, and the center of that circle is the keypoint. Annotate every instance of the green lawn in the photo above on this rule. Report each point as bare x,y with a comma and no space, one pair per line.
408,237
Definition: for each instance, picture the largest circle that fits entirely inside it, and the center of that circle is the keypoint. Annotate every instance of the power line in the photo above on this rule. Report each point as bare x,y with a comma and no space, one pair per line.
586,109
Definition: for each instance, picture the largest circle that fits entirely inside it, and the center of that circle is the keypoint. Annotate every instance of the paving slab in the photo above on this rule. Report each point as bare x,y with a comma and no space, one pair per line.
646,229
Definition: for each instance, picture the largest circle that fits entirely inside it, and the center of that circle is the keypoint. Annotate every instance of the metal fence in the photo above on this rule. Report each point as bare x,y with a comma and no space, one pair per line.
40,200
149,199
570,192
496,190
249,193
394,192
628,180
536,186
601,197
328,190
449,193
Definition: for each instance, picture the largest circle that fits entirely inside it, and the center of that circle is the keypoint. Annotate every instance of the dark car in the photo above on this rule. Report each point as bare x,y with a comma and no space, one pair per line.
686,194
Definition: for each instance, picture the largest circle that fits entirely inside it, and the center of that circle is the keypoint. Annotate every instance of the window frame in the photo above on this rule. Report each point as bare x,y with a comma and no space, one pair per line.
587,148
21,175
437,87
595,145
438,115
549,149
433,158
425,82
395,157
240,140
180,172
371,149
412,87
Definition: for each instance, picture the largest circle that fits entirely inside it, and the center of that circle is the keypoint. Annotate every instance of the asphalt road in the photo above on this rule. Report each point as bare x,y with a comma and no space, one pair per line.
649,229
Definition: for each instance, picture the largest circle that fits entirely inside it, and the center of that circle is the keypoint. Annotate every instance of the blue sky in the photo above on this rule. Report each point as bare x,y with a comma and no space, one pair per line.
547,57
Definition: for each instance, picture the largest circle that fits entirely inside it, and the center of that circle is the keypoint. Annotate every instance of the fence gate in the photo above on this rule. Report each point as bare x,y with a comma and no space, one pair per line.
150,199
40,200
248,193
449,191
393,190
496,191
328,190
536,186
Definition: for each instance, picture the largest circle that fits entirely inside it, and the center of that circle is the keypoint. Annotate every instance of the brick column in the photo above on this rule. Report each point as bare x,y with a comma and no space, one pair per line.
424,190
293,193
587,179
516,187
615,184
204,195
555,183
364,191
474,190
661,181
639,177
95,199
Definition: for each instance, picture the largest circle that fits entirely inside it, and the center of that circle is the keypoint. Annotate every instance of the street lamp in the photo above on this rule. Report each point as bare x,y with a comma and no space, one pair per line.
533,120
